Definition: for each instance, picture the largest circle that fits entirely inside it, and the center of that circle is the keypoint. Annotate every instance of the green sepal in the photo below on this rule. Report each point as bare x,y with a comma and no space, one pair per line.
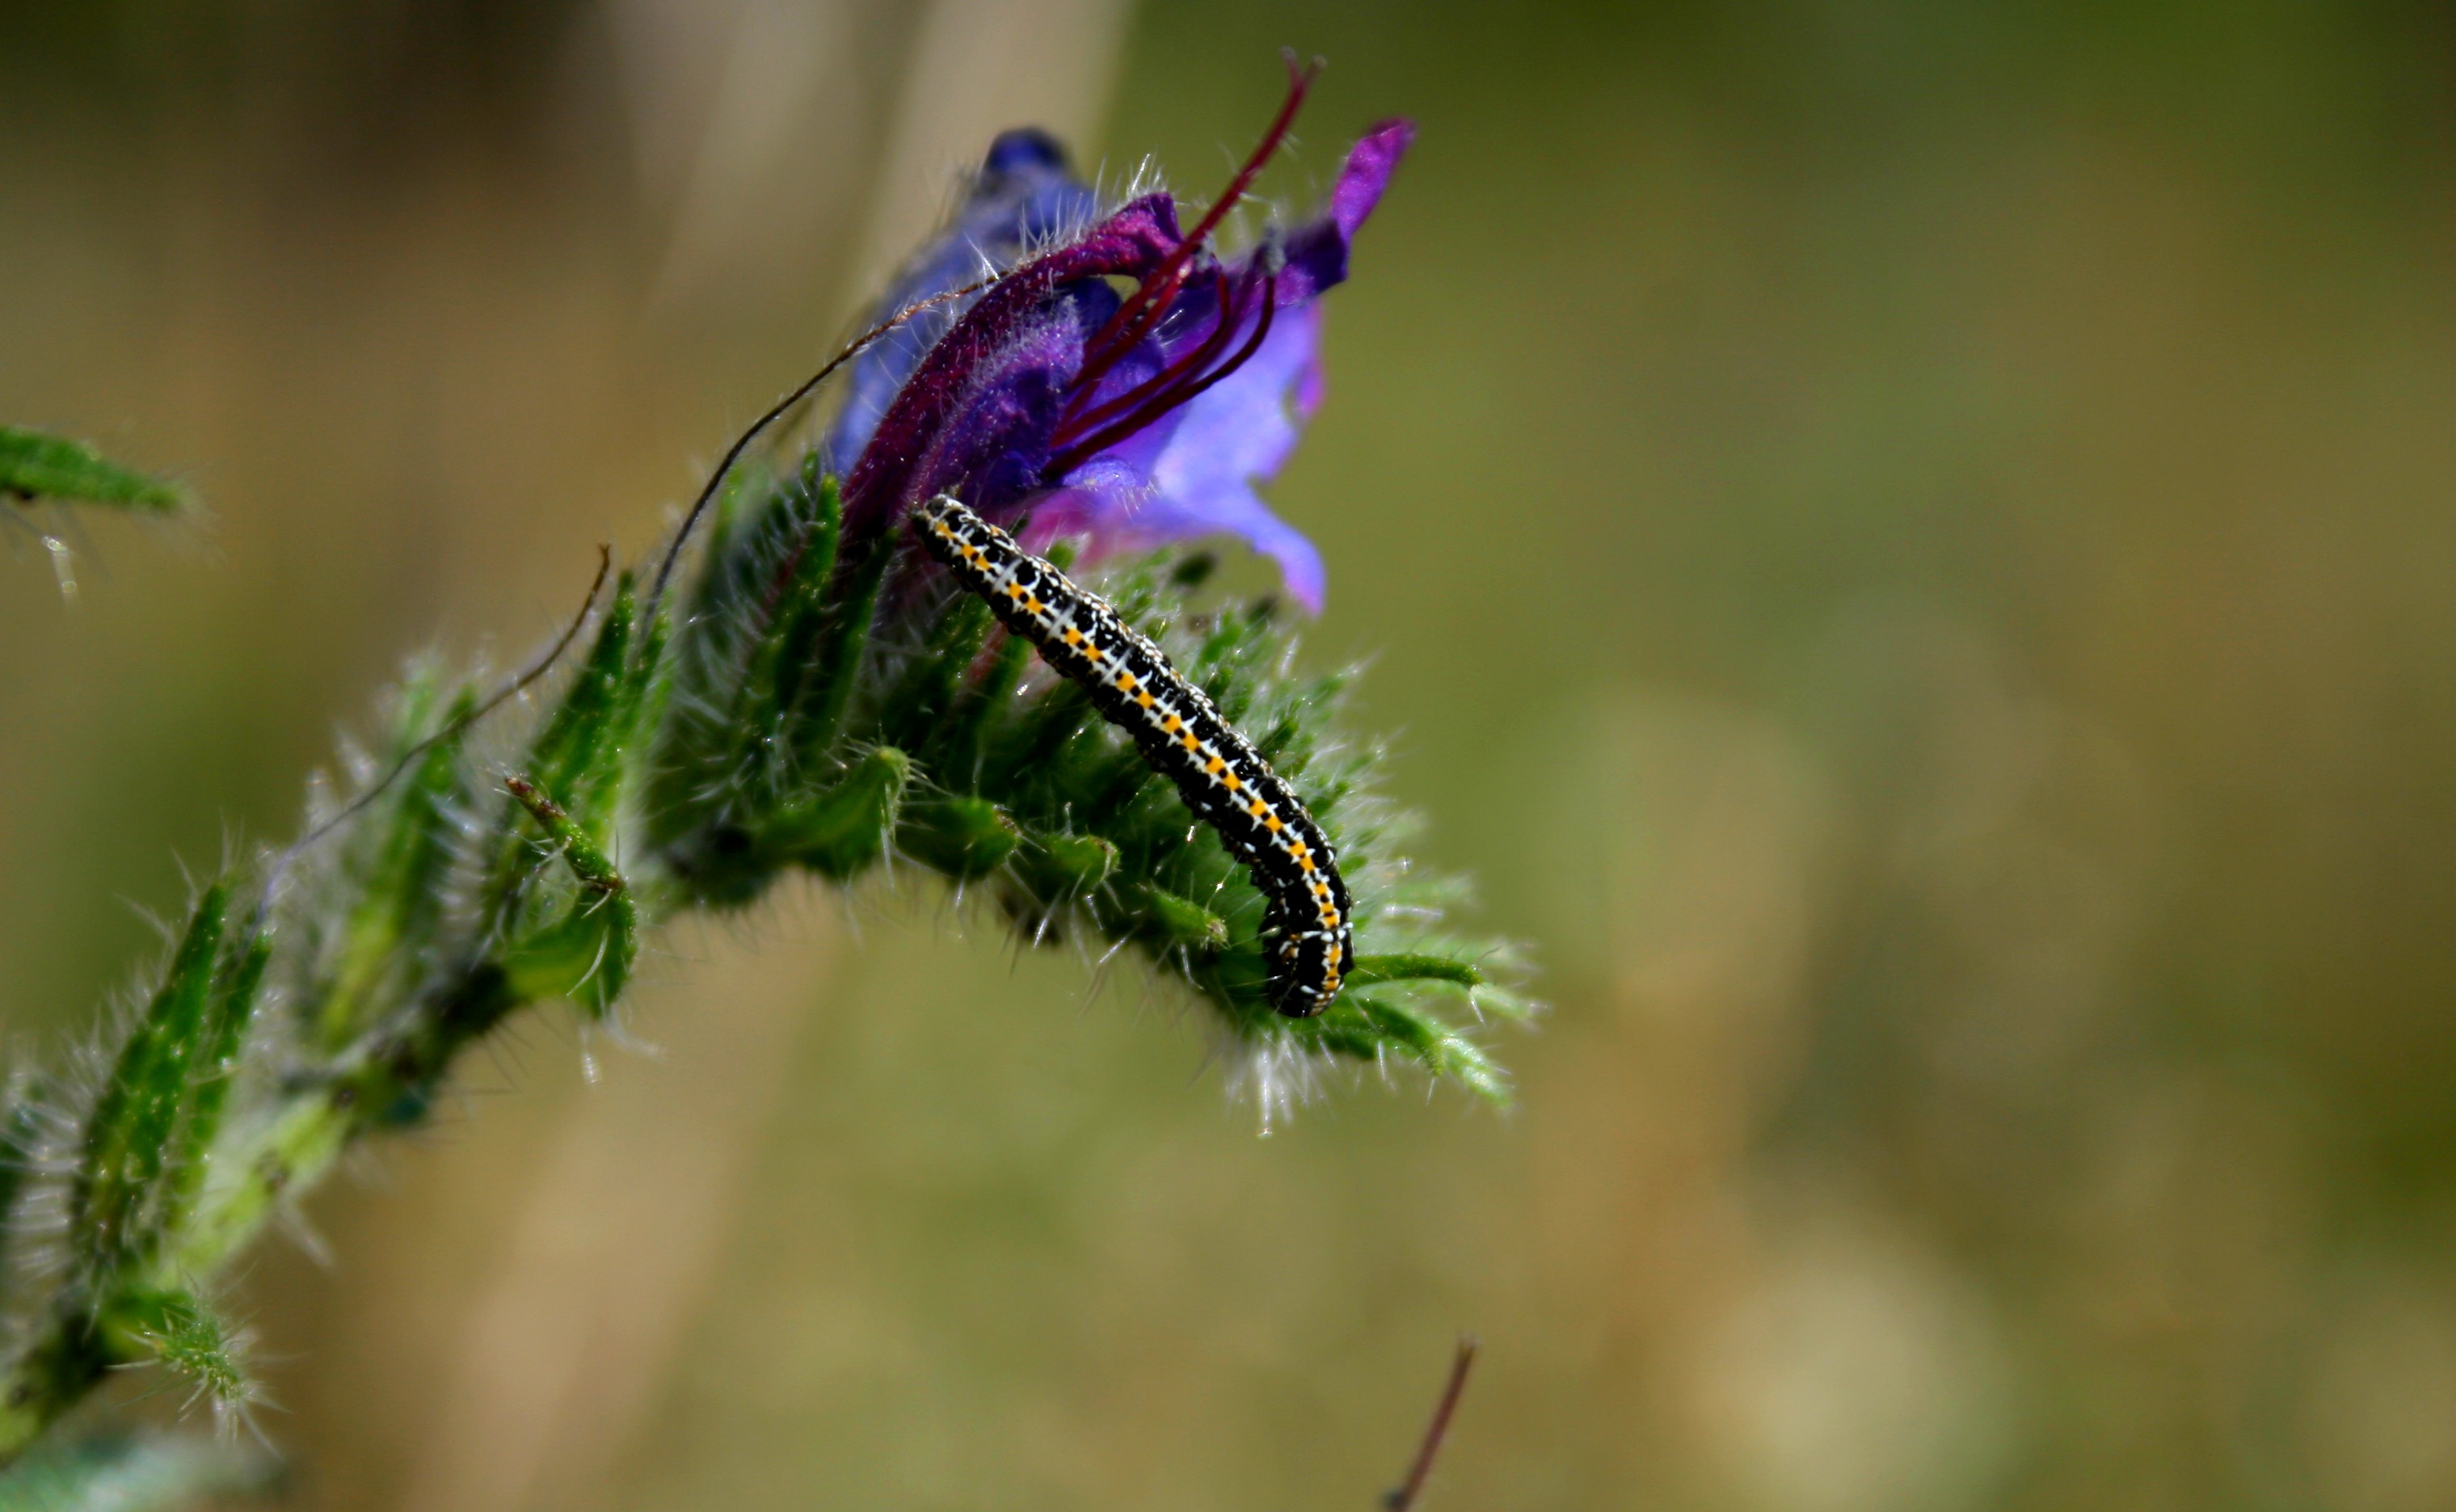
783,664
1176,923
1193,571
956,751
724,576
786,564
1057,866
114,1203
1500,1002
36,465
1289,742
1028,750
647,695
925,696
1372,970
1115,789
180,1332
958,837
844,830
697,743
576,758
584,954
1441,1049
837,647
214,1070
402,894
1234,639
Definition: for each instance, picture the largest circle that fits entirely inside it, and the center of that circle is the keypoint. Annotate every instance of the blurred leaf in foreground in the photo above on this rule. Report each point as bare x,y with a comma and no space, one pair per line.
135,1474
37,466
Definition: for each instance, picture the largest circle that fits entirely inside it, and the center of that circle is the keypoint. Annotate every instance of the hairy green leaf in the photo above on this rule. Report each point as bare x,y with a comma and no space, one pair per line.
127,1145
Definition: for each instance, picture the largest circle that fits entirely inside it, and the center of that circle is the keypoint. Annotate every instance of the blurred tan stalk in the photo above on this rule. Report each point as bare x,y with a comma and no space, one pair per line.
618,1236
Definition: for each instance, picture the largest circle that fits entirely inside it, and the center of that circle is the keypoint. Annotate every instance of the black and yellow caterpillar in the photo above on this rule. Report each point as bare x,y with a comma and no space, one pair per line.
1181,734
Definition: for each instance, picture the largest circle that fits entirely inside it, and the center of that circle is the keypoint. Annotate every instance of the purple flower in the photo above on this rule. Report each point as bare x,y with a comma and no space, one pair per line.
1023,199
1134,419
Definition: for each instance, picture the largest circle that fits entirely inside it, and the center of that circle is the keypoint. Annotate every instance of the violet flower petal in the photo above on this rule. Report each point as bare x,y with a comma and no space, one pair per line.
1316,251
1194,474
883,480
1024,196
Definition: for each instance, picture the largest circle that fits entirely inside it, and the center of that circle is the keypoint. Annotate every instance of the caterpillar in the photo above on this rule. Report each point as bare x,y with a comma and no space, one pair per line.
1182,735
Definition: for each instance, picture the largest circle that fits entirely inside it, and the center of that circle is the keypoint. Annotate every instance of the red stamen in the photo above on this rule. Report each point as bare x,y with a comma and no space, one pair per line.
1230,315
1143,309
1253,343
1149,399
1162,403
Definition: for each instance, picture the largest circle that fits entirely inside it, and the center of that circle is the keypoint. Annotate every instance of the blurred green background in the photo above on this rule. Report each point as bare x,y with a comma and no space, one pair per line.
1909,545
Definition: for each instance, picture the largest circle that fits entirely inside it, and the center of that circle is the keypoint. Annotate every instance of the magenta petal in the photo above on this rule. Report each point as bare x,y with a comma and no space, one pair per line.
1367,171
1131,242
1316,251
